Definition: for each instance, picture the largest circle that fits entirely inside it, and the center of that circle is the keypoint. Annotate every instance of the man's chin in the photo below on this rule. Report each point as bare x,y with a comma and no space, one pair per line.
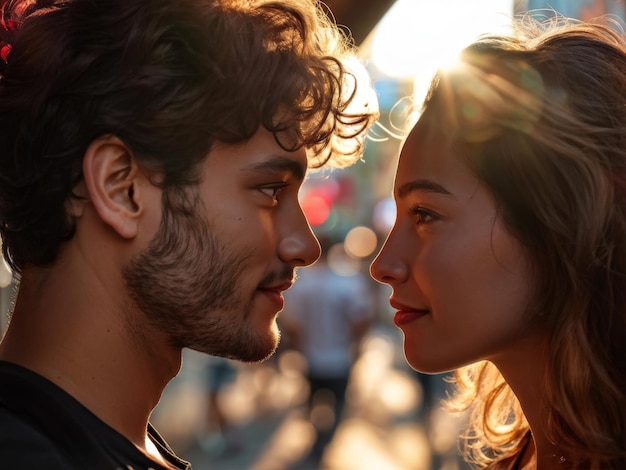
248,357
254,350
260,345
262,352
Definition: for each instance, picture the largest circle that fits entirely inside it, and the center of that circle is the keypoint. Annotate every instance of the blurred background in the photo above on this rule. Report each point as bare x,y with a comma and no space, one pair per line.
226,415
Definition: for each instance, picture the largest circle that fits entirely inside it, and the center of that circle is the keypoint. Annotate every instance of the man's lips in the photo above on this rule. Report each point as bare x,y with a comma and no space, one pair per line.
406,314
274,293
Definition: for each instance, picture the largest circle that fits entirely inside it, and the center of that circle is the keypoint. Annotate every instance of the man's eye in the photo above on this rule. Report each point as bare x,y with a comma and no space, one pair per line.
273,190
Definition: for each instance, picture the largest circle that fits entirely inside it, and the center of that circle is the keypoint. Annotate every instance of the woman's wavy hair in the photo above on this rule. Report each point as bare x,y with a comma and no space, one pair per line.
540,118
169,78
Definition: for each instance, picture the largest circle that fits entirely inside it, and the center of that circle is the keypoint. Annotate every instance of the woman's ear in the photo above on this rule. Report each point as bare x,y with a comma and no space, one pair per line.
111,177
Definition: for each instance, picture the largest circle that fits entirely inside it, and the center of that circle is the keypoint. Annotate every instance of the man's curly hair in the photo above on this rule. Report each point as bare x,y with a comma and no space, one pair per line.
167,77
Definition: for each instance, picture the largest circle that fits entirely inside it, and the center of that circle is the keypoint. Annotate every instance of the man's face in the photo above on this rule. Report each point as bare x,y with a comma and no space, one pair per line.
211,278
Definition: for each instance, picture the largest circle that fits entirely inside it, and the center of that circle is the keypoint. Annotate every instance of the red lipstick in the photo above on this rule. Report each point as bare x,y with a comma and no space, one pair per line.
402,318
406,314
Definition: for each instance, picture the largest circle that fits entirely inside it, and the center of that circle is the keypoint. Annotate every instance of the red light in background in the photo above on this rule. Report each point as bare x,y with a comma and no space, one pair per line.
316,208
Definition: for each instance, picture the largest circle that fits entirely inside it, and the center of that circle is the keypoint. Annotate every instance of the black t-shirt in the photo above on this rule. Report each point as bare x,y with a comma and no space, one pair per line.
43,427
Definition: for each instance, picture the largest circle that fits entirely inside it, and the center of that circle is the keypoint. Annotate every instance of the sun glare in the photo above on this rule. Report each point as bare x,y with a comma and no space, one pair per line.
416,37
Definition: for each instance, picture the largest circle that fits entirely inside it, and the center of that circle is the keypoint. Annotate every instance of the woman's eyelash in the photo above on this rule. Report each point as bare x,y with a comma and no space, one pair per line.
423,215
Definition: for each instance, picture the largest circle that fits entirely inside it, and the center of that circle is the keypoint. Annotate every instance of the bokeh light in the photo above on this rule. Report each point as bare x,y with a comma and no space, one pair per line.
316,208
360,242
384,215
341,263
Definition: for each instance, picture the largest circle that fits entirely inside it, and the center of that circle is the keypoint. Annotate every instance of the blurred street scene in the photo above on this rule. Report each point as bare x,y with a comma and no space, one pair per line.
392,421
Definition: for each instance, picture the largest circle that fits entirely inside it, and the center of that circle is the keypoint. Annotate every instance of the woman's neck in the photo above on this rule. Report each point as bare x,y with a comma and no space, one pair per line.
523,369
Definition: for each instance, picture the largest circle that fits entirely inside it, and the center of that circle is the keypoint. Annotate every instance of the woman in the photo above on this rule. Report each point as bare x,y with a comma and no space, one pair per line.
508,255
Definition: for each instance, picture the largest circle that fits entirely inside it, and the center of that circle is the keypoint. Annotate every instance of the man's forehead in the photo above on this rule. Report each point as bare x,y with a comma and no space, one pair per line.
276,163
261,153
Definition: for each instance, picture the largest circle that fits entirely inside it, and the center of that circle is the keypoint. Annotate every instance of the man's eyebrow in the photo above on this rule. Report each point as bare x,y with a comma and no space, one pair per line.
423,185
278,164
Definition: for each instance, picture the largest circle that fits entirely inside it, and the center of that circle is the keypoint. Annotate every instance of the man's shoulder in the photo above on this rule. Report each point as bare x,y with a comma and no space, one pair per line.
24,402
23,446
43,427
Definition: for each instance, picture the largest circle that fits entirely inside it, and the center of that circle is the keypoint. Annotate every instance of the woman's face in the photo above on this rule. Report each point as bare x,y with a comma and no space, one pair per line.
461,282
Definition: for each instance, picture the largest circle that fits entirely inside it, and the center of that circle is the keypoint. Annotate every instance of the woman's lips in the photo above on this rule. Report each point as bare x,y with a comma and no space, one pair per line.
406,314
403,317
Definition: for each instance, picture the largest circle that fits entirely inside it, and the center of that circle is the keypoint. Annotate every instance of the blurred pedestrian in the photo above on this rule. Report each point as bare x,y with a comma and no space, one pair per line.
326,316
217,436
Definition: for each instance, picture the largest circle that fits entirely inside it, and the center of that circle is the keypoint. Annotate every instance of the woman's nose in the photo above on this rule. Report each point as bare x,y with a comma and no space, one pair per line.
387,267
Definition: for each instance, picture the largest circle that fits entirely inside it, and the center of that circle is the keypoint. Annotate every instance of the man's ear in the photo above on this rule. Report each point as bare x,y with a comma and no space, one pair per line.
111,176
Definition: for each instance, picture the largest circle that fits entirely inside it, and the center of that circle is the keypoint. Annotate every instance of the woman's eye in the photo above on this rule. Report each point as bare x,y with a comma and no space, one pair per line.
423,216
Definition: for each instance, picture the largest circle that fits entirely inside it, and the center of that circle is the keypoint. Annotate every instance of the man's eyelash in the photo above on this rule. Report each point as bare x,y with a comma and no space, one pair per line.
273,190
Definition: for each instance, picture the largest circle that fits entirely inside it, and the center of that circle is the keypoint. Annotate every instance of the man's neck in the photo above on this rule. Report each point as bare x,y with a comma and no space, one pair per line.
76,336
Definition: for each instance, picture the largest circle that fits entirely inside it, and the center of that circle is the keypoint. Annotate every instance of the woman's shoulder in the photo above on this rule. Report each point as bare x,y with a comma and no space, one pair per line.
513,462
508,463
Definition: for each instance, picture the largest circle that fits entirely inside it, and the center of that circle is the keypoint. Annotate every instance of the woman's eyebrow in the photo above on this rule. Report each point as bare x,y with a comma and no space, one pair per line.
422,185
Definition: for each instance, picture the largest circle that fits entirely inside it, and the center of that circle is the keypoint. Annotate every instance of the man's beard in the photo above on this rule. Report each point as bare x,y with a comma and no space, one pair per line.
187,285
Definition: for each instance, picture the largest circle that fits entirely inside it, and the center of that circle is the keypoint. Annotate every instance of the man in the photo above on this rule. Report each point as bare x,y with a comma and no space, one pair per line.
151,158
